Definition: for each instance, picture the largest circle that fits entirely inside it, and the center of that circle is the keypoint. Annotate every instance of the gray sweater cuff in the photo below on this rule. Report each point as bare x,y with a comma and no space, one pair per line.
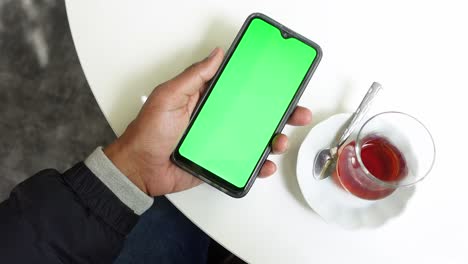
117,182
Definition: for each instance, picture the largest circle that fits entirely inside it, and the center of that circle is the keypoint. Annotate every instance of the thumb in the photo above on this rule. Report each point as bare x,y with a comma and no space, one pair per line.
193,79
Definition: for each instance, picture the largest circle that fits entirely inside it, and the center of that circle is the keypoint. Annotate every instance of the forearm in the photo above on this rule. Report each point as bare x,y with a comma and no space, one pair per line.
70,217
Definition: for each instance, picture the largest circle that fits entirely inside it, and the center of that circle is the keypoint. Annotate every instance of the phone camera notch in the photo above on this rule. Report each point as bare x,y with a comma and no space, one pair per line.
285,34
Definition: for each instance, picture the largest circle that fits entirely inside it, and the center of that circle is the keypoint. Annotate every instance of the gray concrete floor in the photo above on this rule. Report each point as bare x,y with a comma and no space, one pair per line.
48,115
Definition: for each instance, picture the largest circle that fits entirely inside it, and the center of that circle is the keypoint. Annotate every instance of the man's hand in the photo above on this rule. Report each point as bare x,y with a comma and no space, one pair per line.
143,151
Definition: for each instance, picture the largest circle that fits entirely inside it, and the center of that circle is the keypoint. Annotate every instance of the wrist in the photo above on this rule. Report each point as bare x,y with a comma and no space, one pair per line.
120,155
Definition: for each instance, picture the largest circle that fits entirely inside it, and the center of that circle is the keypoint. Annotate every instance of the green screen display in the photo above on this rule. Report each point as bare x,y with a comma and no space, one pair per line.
247,103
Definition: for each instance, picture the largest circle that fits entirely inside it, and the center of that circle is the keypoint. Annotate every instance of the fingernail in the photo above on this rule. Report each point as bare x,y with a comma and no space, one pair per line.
213,52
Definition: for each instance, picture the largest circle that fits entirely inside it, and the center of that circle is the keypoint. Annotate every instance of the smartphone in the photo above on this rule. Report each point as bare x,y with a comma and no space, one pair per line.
248,102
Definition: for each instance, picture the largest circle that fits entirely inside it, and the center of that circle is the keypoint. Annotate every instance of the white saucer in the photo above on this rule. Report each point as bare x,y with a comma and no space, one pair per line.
333,203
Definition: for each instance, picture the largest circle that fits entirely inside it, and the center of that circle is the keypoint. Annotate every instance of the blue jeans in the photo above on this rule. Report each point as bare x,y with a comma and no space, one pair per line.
164,235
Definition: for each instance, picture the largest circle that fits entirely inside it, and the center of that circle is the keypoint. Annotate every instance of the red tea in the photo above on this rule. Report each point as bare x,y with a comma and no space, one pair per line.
381,158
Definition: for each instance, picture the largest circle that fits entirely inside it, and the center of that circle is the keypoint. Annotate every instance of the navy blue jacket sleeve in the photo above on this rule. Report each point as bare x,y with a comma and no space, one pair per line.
63,218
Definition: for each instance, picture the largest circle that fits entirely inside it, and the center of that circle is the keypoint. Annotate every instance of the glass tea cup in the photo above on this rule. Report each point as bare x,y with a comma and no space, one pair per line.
391,150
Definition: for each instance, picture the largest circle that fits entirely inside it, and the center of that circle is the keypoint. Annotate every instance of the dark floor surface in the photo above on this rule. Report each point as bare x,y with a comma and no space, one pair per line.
48,115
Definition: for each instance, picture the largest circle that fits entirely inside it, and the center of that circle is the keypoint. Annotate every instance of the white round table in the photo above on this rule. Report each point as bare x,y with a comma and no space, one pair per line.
416,49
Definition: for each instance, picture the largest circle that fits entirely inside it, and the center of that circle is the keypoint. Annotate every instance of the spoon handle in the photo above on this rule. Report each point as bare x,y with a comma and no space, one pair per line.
360,112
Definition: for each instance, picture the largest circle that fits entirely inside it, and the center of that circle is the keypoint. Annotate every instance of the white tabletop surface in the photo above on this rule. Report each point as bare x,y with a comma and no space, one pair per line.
416,49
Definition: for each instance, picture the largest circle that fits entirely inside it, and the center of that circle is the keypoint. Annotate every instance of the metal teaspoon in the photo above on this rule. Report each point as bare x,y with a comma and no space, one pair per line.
326,158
